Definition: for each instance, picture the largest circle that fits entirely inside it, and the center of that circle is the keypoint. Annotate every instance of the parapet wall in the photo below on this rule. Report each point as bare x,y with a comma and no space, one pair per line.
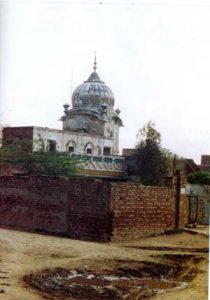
88,209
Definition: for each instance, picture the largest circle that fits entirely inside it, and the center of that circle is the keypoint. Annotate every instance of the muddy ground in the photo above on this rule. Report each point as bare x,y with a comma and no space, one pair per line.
166,267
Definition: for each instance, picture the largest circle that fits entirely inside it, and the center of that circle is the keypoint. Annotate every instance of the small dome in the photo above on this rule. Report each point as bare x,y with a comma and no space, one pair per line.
93,92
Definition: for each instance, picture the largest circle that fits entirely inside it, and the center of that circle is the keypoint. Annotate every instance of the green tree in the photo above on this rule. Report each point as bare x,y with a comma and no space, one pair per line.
51,164
201,177
148,132
17,153
151,160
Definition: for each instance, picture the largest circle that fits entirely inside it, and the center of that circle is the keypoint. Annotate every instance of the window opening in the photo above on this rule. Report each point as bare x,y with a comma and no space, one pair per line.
107,151
51,146
71,149
89,151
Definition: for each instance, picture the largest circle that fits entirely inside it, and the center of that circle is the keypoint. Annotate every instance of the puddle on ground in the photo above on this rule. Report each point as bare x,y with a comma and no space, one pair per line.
78,278
129,280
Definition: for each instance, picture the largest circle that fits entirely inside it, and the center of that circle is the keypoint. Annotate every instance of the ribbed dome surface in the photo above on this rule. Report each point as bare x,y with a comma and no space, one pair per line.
93,92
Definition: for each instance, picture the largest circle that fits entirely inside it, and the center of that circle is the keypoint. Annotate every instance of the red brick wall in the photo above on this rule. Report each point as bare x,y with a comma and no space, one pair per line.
88,209
140,211
205,160
77,208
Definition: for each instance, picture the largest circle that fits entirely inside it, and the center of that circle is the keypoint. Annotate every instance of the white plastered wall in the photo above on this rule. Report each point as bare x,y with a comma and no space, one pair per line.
41,136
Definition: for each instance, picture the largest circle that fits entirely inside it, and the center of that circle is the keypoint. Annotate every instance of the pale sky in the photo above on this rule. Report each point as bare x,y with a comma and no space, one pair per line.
154,55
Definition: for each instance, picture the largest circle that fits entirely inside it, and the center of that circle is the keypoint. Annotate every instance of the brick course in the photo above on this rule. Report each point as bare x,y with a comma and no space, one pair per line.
88,209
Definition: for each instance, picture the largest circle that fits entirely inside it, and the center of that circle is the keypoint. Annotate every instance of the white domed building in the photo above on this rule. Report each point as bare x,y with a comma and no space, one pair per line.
93,118
90,129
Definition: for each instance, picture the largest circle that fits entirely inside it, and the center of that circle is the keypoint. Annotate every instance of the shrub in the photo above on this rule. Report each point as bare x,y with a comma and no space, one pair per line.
200,177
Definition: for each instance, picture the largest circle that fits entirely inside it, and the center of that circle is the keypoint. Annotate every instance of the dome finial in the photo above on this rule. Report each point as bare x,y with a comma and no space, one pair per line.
95,63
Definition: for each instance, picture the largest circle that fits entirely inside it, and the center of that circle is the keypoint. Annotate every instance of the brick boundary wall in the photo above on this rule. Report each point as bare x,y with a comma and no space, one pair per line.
88,209
76,208
144,210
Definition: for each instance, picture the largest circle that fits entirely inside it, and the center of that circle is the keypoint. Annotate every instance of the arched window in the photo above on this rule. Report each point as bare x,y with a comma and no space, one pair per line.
71,147
89,149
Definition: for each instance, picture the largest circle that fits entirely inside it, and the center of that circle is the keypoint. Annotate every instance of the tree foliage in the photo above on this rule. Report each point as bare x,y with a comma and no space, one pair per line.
149,132
201,177
17,154
151,160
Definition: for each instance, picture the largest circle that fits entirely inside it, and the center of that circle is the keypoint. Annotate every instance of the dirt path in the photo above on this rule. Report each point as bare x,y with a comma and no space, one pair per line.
24,253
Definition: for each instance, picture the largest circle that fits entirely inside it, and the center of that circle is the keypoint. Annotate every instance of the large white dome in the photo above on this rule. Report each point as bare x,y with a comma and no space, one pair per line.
93,92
